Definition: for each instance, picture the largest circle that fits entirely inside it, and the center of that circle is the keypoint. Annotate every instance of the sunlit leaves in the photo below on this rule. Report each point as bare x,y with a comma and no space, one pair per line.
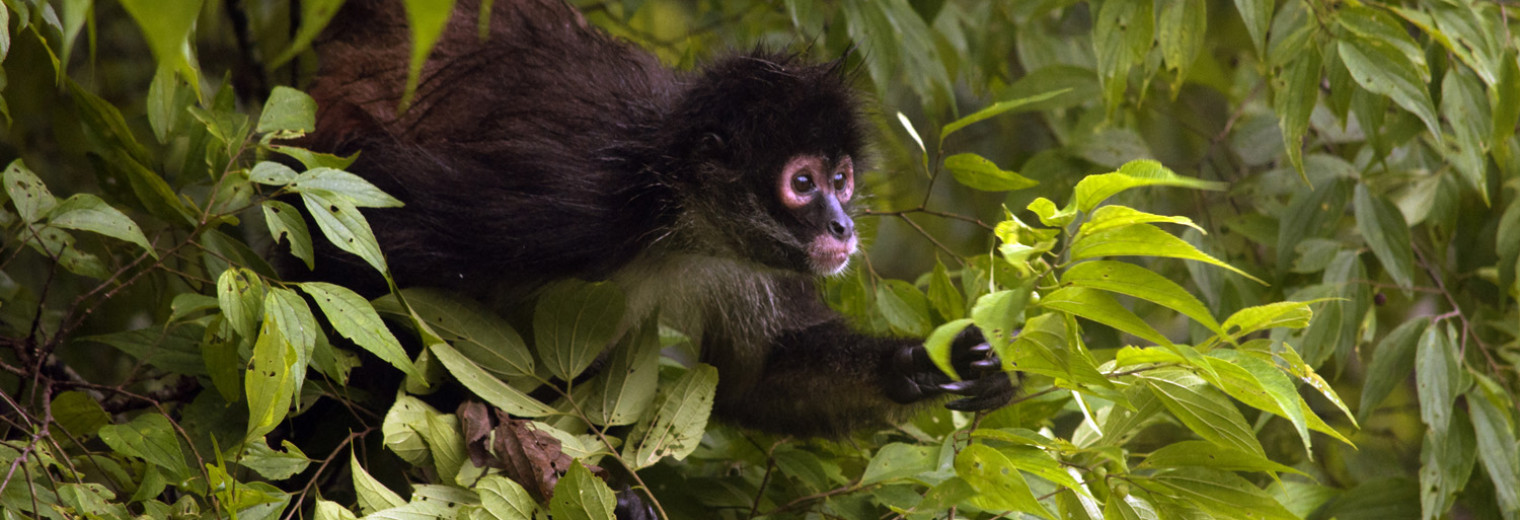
1202,409
999,485
1143,240
1136,281
1094,189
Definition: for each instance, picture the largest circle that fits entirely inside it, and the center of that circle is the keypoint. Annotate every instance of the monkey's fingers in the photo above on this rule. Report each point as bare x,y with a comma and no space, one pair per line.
976,404
976,387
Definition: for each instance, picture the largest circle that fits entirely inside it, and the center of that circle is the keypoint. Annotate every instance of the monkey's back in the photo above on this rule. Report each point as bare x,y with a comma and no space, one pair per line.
528,147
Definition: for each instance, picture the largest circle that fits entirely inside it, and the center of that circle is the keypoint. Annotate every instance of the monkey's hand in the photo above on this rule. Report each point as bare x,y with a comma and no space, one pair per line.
984,385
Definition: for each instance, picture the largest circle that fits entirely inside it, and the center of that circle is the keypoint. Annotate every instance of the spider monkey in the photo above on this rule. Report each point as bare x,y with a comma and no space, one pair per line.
548,149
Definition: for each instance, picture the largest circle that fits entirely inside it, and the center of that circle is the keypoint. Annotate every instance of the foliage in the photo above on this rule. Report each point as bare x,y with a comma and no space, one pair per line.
1227,215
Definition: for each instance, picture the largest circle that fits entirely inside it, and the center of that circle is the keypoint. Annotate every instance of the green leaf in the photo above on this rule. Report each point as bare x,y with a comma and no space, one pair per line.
373,496
1180,28
1209,455
904,306
1202,409
446,439
297,325
342,224
1384,70
1102,308
488,387
86,212
314,16
978,173
999,313
995,110
150,437
311,159
1040,462
32,199
401,429
574,322
284,221
1114,217
271,463
1310,213
1223,494
168,103
426,19
271,379
944,296
899,461
1122,38
503,499
1144,240
1379,28
272,173
1437,376
1139,282
1504,102
174,349
240,293
1497,447
1295,93
480,335
167,25
329,510
1465,106
349,187
675,428
1392,362
998,483
1045,348
1253,380
354,318
57,243
1446,464
1051,216
898,46
1094,189
626,386
78,413
939,342
288,112
1257,15
579,495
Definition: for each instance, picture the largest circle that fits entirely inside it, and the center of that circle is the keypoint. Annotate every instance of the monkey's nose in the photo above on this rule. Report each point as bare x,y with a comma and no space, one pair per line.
841,229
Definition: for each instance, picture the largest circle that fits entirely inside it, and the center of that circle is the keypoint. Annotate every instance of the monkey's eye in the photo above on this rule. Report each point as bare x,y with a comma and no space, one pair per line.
840,181
803,183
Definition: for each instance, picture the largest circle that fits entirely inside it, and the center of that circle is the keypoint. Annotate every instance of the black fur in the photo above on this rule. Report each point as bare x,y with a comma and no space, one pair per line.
551,150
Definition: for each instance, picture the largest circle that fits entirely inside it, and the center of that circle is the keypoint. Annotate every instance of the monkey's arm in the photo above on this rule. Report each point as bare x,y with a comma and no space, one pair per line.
828,380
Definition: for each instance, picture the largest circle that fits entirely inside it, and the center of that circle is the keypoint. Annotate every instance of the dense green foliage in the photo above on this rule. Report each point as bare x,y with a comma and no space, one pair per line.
1258,260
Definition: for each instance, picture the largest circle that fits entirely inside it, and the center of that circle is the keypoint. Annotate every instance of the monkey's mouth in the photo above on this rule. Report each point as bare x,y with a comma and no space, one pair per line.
829,255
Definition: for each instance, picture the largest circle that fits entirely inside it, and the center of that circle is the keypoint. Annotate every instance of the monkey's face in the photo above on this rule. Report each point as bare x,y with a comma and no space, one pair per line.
816,193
